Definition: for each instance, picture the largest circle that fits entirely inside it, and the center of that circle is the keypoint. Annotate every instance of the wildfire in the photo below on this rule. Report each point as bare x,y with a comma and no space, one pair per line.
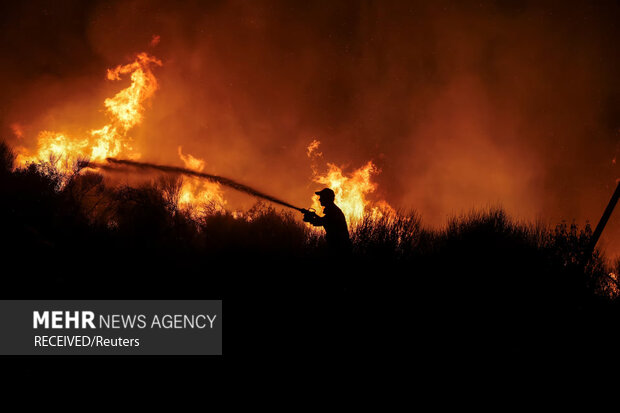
126,107
198,195
124,111
351,190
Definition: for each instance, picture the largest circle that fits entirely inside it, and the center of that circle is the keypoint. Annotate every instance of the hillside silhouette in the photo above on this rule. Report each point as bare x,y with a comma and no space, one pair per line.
483,285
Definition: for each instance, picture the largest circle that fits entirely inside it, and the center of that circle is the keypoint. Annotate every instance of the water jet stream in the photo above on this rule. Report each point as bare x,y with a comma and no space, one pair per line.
184,171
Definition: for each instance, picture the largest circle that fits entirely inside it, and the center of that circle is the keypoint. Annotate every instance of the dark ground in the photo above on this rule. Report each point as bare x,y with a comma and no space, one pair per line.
484,290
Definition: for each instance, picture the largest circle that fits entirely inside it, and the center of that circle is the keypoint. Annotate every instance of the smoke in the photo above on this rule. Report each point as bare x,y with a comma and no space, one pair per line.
460,104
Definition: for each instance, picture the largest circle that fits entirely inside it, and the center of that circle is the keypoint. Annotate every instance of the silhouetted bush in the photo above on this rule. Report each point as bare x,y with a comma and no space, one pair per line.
482,275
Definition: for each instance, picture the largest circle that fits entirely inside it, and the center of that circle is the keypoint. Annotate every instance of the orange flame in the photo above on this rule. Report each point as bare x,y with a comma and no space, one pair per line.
126,107
198,196
124,110
351,190
311,150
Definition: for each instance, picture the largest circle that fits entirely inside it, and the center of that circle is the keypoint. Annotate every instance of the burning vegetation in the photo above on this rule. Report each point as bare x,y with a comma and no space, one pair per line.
76,168
351,191
145,242
126,111
441,108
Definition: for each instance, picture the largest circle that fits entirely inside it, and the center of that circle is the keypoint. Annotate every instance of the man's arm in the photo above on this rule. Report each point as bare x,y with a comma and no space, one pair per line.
317,221
312,218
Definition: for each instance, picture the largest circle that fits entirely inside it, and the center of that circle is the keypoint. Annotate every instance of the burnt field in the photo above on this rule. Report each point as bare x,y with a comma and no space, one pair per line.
482,285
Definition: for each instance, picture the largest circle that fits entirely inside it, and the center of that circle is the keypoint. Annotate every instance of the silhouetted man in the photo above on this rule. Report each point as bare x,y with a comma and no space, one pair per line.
334,222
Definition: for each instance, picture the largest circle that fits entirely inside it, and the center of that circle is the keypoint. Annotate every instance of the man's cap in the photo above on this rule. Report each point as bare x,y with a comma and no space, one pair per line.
326,193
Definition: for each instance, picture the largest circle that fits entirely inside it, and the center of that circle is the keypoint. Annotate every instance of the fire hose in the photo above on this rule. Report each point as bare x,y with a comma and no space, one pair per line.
309,214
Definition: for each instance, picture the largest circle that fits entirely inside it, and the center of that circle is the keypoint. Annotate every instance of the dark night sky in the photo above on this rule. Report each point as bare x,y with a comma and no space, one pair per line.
461,104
